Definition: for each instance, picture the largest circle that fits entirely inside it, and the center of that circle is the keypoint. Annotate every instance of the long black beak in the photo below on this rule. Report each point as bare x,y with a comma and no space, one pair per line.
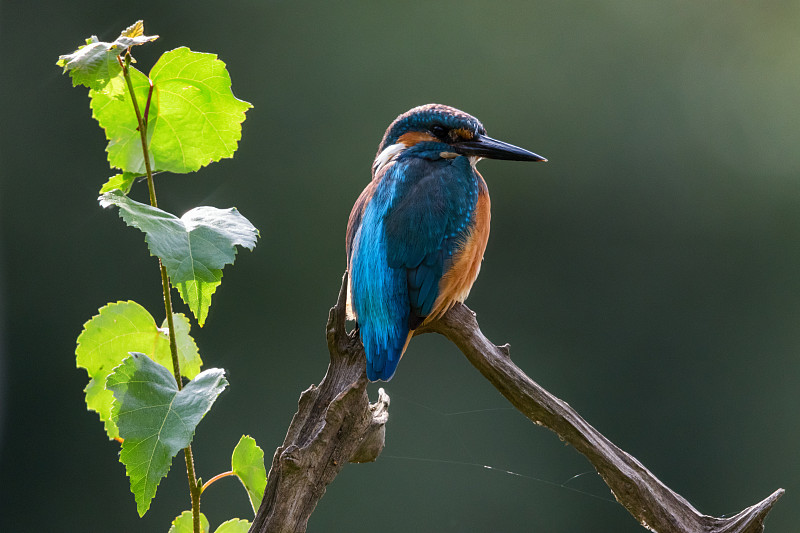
484,146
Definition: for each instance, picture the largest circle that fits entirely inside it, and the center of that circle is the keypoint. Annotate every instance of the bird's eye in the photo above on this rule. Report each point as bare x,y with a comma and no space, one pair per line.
438,130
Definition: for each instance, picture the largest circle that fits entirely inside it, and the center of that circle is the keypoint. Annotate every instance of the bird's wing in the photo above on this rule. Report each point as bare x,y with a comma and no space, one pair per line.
354,222
427,223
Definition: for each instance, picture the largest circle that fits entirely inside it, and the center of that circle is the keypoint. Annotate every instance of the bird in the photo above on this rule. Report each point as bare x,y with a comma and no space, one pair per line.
417,233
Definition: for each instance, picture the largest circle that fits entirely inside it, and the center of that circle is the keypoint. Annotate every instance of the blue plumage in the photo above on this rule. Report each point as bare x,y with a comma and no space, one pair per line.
396,273
412,223
435,197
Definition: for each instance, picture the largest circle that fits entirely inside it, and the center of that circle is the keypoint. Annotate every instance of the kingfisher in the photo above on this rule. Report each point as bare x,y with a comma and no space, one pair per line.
417,233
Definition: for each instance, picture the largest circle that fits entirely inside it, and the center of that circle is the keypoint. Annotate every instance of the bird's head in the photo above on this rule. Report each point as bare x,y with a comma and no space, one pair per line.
435,123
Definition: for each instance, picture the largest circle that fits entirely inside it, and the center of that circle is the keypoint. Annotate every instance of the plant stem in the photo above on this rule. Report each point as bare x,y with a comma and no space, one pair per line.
194,488
173,344
216,478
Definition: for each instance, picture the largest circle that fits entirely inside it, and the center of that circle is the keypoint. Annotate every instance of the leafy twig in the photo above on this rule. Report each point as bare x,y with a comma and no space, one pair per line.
194,487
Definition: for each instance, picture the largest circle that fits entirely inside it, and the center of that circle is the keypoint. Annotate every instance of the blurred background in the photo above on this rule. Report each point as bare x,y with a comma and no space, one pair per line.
647,275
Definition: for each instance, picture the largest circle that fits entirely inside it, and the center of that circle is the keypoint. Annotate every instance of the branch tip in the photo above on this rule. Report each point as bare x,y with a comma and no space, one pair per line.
651,503
750,520
337,318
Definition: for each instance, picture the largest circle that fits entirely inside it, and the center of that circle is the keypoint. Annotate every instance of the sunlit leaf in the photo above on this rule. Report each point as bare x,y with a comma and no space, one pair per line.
193,118
194,248
135,31
183,523
113,109
95,63
200,121
120,328
247,463
197,294
123,182
155,419
234,525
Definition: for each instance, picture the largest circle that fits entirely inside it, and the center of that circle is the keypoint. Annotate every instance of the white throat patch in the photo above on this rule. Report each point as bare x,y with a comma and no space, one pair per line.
387,156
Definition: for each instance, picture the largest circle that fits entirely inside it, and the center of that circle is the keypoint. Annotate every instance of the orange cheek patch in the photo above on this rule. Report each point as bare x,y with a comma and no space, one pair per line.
462,134
413,137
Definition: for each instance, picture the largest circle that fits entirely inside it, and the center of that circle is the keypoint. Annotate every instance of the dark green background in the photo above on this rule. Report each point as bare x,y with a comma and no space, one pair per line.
648,274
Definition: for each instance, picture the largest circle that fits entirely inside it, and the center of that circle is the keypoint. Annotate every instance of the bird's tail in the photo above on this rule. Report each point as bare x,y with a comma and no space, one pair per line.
383,350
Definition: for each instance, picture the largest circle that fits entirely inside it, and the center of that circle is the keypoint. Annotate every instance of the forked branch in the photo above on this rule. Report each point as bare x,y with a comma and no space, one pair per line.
335,423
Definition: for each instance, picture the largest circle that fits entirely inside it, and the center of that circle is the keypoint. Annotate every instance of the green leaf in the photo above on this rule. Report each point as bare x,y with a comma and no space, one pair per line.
200,120
194,119
234,525
183,523
113,109
120,328
197,294
95,63
247,463
193,248
123,182
155,419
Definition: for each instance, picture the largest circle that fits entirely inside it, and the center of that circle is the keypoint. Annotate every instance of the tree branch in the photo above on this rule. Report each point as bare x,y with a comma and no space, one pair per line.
335,424
652,504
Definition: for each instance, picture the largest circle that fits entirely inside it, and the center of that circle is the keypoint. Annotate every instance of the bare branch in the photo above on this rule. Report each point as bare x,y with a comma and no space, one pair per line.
652,503
335,424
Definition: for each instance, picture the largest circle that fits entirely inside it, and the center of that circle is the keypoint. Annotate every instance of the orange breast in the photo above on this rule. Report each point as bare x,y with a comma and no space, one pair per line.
457,282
